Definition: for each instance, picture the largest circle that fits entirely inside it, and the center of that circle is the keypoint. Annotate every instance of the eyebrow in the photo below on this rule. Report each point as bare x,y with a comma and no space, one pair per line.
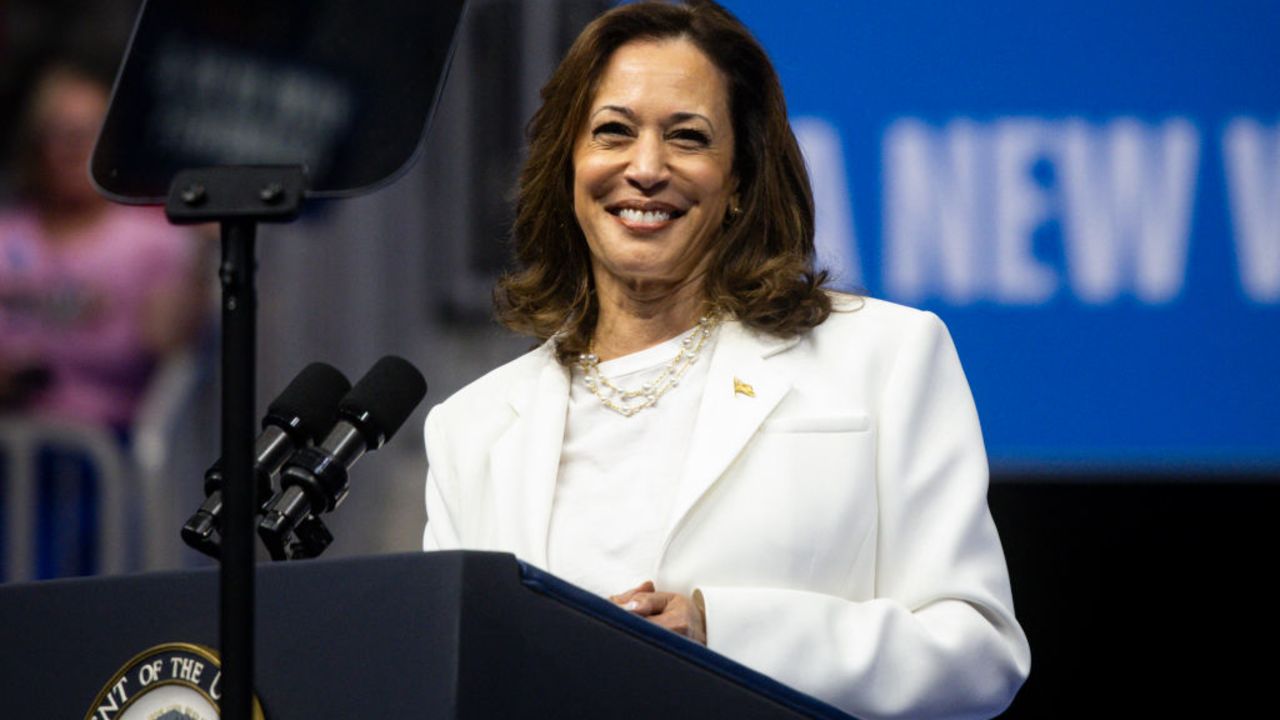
676,117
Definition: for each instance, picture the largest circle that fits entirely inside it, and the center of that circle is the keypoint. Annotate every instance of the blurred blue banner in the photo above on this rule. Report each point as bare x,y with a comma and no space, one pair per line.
1087,192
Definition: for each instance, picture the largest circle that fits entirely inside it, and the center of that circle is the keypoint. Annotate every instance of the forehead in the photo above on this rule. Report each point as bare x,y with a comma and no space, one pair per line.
65,94
671,74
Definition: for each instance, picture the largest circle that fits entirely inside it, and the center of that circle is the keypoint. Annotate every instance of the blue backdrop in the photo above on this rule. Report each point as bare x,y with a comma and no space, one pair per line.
1087,192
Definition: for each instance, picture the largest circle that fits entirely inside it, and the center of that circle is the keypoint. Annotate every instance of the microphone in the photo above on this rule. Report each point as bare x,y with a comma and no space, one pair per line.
295,419
315,479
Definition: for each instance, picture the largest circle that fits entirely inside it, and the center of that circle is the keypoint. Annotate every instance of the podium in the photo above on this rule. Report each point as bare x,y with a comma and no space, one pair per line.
444,635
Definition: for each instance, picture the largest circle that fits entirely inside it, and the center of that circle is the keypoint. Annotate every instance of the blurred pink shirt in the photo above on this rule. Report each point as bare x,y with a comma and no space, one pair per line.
77,308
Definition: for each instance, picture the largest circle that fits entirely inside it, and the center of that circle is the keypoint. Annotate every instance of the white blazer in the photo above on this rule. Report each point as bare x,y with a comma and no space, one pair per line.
835,523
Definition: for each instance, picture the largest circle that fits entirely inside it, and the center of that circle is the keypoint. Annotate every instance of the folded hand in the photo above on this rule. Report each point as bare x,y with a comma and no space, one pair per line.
673,611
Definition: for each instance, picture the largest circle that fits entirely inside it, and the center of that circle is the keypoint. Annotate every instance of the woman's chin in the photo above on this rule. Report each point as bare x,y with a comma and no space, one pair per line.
648,285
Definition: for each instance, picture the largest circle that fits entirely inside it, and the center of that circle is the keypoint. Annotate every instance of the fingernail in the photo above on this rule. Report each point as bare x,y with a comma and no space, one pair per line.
630,606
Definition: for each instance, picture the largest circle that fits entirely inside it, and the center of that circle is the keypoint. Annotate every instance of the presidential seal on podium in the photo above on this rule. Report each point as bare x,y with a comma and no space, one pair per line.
174,681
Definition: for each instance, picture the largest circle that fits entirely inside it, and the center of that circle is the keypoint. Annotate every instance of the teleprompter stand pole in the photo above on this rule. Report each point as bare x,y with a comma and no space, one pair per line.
239,344
238,198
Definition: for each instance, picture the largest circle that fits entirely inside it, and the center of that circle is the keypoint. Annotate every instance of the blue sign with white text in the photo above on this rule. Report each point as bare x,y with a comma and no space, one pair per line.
1087,193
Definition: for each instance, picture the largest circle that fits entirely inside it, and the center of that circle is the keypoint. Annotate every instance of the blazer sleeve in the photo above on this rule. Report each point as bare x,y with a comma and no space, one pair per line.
441,533
938,639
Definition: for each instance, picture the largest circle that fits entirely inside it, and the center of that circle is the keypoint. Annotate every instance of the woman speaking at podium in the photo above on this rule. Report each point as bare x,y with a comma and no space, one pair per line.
706,435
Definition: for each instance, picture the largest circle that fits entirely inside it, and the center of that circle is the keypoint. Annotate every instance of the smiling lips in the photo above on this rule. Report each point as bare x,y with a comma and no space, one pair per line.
644,217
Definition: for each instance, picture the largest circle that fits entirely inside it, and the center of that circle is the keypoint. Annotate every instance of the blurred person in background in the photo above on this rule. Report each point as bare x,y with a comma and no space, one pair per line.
93,296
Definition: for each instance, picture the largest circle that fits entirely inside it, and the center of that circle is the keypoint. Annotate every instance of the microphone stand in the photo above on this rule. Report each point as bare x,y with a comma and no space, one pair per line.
238,198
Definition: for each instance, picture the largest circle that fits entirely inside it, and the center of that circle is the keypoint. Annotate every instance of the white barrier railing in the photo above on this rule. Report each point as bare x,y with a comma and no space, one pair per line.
21,440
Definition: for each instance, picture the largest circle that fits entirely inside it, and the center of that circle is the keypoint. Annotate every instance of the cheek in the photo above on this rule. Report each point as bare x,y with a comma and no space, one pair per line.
590,178
714,183
581,195
583,198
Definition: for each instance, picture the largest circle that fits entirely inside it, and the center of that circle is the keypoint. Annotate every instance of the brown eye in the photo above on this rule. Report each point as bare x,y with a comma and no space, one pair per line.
691,136
611,128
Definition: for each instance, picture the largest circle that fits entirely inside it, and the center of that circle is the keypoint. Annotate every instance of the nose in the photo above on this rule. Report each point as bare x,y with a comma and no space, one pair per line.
647,169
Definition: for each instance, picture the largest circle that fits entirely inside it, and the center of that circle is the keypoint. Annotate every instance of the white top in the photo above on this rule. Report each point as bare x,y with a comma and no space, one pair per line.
618,474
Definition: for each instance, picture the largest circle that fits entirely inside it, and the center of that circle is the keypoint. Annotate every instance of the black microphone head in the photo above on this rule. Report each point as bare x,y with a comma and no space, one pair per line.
384,398
310,402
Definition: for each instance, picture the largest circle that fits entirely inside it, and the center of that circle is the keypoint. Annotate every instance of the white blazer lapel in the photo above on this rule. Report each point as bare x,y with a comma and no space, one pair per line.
742,389
526,460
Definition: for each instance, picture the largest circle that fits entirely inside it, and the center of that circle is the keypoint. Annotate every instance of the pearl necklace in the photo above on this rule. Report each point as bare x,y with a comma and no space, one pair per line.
629,402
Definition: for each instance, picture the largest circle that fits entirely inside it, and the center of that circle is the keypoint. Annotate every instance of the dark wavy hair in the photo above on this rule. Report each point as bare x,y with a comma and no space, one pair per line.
762,272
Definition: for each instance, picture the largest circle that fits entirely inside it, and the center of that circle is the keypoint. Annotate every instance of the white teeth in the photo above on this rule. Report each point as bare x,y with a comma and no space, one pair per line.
638,216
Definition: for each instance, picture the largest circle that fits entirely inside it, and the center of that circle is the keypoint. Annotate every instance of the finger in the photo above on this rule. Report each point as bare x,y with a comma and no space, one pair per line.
644,587
676,622
646,604
679,623
683,618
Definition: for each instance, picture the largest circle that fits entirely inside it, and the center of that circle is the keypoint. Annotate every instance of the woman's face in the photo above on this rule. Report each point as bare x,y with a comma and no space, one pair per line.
69,111
653,166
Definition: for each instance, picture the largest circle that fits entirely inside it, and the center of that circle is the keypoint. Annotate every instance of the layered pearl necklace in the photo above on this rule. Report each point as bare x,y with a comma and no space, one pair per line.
629,402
